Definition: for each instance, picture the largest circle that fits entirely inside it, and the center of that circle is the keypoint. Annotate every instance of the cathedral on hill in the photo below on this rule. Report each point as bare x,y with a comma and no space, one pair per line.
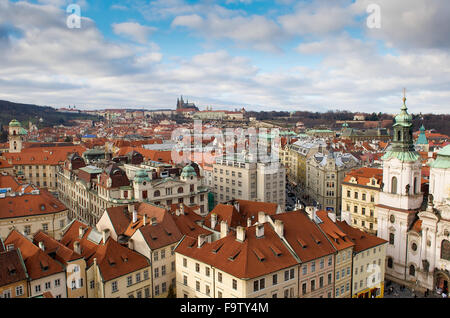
185,106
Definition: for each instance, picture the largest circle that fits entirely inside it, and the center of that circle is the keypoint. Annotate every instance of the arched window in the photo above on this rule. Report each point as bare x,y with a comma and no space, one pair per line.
399,136
180,190
390,262
412,270
394,185
445,250
157,193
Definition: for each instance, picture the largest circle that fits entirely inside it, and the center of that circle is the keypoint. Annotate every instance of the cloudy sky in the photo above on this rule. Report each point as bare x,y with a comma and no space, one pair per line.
261,54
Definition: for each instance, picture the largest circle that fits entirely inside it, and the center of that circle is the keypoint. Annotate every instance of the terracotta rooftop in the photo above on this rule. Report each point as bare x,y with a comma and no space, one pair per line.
55,249
30,204
338,238
364,174
251,258
37,262
12,268
42,155
304,236
113,259
362,240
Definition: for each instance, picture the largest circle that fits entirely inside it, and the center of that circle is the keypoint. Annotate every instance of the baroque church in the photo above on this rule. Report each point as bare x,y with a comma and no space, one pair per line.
416,226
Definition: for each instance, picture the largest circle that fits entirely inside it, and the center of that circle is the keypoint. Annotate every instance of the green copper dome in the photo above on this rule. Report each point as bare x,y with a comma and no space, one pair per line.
141,176
14,123
188,171
443,159
403,119
422,139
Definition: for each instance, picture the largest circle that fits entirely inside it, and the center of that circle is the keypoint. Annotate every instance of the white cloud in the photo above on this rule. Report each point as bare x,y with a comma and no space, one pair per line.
136,31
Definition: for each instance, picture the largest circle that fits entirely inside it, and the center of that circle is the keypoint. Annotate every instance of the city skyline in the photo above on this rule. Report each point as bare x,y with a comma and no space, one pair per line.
305,55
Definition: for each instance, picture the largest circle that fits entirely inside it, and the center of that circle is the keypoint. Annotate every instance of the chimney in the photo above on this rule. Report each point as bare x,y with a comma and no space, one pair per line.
223,229
240,234
105,234
181,208
41,246
76,247
236,205
260,230
332,216
201,239
261,217
249,222
145,219
130,244
213,220
279,228
80,232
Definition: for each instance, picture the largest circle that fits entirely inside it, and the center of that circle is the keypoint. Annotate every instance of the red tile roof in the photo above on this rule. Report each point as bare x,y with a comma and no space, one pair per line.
37,262
254,257
30,204
304,236
362,240
338,238
62,253
364,174
12,269
42,155
113,259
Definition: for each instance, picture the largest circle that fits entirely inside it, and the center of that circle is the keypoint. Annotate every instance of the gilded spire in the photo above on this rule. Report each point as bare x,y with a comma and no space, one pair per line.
404,99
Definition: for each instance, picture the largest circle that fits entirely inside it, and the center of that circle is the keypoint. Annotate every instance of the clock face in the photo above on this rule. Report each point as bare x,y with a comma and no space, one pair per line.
392,218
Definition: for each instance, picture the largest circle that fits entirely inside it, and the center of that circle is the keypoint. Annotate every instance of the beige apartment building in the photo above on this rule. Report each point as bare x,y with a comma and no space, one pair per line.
240,178
360,192
369,255
249,263
343,258
324,176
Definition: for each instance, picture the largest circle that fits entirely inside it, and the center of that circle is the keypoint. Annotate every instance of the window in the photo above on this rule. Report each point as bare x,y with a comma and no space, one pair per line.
412,270
329,278
394,185
138,277
184,262
330,260
337,292
197,267
219,277
313,285
163,270
219,294
256,285
292,273
114,287
163,254
320,281
163,287
155,256
364,197
391,238
275,279
57,282
322,263
47,285
147,292
286,275
45,227
145,274
234,284
337,275
157,290
37,288
185,282
445,250
304,288
19,291
156,272
304,269
356,195
129,280
313,267
207,271
92,284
